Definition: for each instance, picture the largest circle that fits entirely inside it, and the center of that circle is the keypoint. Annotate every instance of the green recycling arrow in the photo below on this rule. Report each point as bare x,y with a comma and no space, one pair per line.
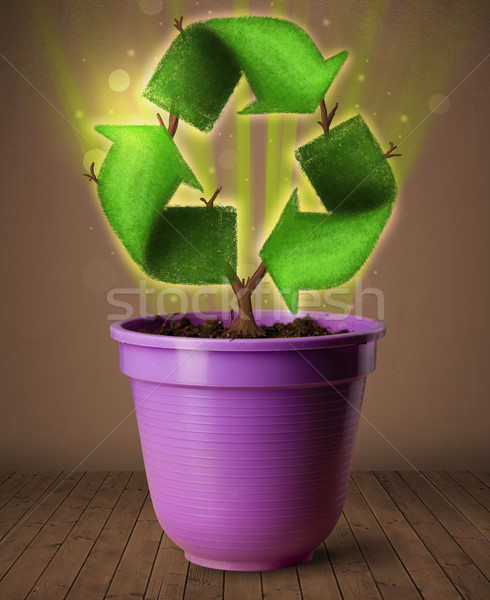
352,177
197,245
283,66
141,173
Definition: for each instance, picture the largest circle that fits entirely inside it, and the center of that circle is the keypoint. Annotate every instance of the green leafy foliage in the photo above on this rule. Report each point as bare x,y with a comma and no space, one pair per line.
284,68
139,176
198,245
353,179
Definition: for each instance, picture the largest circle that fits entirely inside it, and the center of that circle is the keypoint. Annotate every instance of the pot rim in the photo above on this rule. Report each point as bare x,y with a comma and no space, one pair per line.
362,331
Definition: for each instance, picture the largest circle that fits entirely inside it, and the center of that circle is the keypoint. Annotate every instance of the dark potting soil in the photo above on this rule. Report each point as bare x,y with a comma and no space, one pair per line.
214,328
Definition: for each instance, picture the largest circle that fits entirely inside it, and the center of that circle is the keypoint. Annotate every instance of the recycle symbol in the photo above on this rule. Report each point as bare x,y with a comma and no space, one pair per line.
198,245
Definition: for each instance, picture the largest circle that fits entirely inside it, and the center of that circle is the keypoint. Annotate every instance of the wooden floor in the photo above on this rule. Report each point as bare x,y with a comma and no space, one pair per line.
94,535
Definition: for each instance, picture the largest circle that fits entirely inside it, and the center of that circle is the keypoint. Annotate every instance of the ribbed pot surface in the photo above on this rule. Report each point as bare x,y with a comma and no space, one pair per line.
250,475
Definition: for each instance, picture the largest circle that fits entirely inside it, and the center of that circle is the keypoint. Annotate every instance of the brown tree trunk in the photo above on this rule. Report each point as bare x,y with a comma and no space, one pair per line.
245,325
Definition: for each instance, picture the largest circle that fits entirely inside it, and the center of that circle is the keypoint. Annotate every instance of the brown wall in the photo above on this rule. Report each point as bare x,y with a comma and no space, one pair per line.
62,393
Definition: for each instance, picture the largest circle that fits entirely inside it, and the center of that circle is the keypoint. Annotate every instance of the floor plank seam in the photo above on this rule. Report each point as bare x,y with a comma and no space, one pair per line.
31,511
444,569
67,535
448,501
126,544
299,583
478,476
407,534
153,566
19,490
95,541
467,491
438,519
334,573
18,525
400,560
363,557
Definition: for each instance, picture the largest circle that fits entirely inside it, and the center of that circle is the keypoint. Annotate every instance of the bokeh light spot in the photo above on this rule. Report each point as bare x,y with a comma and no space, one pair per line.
131,52
396,124
150,7
361,77
439,104
119,80
79,114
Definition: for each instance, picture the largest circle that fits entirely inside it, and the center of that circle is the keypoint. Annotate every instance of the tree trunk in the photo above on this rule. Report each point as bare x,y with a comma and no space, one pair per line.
245,325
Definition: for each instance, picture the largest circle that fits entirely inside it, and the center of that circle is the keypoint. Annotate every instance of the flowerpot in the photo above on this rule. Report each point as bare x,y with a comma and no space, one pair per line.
248,443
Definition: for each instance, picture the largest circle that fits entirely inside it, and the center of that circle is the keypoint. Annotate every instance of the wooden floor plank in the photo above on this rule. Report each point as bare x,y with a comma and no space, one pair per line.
19,505
470,508
20,536
243,585
459,568
203,583
350,568
60,574
471,540
281,585
390,576
474,487
419,562
317,578
482,476
27,569
167,580
13,485
398,537
96,574
133,572
4,475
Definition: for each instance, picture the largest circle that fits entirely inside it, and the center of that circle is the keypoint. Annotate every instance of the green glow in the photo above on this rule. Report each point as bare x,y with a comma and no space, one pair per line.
410,75
57,64
274,156
244,180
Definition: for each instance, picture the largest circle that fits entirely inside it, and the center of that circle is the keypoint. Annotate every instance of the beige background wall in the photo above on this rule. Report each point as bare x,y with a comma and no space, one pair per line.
64,401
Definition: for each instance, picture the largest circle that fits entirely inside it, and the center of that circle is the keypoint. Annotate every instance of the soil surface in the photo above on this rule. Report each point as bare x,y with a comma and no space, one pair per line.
214,328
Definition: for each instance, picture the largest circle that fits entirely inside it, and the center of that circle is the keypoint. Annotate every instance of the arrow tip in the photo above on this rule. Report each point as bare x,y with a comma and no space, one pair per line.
259,107
274,254
333,65
291,298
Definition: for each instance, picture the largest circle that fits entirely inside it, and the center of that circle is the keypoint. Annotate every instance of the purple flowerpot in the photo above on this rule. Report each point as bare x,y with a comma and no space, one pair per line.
248,443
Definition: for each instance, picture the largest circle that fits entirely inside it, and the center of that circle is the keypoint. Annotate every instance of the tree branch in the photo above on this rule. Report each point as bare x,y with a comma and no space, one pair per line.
389,153
91,176
212,199
178,24
326,117
173,123
253,282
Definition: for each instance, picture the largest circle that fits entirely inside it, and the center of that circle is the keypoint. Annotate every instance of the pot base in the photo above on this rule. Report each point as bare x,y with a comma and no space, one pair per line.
261,565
